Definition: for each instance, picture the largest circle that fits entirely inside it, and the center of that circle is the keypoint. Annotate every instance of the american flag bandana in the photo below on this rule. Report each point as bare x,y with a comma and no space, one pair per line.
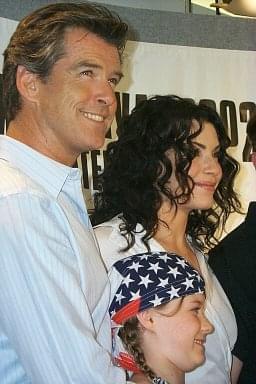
144,281
150,279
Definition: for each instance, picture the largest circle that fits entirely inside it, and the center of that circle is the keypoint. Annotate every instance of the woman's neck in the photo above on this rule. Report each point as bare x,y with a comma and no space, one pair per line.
171,233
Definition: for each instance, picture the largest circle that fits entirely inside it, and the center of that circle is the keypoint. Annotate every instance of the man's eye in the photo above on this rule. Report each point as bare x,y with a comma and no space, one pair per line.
88,72
113,82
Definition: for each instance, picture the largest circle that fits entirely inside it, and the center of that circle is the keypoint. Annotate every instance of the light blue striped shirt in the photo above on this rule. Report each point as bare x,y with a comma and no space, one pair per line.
53,323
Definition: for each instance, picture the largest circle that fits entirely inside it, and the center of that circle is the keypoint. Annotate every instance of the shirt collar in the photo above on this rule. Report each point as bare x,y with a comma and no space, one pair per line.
50,174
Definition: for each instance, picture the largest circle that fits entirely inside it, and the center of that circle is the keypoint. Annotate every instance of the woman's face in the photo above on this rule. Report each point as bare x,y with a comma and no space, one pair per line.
205,169
180,334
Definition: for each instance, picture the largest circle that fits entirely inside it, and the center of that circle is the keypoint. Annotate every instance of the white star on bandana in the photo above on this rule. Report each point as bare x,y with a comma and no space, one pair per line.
157,301
145,281
174,292
188,283
135,295
119,297
127,280
182,262
174,271
154,267
135,266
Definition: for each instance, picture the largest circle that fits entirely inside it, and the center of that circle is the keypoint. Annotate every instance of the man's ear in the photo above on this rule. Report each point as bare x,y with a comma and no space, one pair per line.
27,83
146,319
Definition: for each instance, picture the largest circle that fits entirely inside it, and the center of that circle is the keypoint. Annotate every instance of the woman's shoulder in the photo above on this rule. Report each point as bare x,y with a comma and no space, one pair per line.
110,240
105,230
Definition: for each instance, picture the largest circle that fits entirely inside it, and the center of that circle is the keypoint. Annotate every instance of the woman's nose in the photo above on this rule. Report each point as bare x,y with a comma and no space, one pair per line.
212,165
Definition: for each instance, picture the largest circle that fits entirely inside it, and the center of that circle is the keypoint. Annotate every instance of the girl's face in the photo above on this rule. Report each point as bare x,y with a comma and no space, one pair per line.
205,169
179,332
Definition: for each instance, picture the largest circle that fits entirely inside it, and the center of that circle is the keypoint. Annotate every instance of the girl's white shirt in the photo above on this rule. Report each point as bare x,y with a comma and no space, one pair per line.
220,343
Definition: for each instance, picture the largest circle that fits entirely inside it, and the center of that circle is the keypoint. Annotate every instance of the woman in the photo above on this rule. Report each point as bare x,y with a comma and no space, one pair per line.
158,299
168,186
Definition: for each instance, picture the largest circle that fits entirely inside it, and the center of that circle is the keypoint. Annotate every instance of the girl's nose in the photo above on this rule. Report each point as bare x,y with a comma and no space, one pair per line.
207,326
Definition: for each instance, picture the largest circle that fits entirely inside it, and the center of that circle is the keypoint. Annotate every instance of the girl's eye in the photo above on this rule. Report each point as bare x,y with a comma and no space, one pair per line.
196,310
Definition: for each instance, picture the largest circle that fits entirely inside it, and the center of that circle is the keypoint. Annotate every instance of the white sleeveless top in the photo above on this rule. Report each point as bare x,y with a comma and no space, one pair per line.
217,366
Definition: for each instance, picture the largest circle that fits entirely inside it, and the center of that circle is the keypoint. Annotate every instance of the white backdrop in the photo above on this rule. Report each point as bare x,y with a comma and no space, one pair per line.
227,77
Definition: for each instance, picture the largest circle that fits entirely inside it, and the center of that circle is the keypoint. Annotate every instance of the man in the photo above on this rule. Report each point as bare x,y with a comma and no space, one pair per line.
234,262
59,75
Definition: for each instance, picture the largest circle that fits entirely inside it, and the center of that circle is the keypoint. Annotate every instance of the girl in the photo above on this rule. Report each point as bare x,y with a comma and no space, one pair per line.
158,312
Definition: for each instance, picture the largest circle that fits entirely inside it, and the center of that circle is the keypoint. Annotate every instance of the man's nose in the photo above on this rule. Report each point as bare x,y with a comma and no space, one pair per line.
106,94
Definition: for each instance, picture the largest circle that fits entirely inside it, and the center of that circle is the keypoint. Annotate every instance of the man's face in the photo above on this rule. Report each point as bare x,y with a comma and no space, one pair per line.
77,103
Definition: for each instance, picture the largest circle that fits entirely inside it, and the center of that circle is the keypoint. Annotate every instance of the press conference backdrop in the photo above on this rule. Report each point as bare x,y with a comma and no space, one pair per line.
209,59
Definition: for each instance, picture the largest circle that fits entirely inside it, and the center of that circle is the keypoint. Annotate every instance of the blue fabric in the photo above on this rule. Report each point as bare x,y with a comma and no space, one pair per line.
53,323
151,279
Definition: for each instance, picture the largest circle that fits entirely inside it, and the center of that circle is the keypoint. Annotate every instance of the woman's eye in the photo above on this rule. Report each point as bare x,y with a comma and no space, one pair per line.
217,155
196,151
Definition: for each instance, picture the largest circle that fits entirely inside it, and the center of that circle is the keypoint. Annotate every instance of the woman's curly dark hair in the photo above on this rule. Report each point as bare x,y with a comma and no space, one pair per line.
138,169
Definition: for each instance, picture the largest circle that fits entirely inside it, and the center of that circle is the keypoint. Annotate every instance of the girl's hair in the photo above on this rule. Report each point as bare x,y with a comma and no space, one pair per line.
138,168
131,336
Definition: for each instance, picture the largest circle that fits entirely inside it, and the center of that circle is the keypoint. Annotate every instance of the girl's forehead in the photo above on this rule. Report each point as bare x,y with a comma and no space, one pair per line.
195,298
172,307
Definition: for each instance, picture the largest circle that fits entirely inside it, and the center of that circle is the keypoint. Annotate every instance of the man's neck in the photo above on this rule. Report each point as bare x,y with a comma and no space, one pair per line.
20,130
